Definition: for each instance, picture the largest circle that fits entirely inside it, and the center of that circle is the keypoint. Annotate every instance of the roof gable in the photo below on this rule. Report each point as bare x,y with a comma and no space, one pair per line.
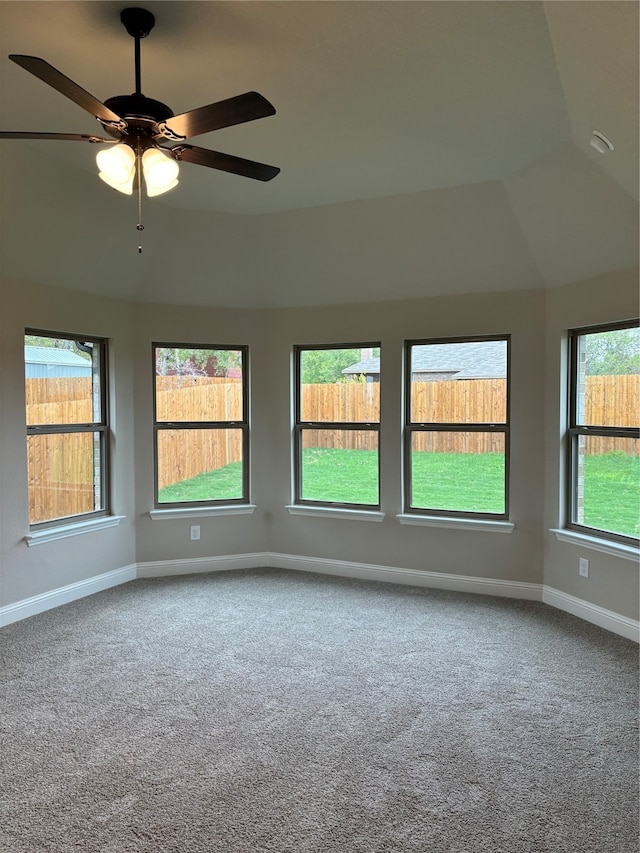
464,360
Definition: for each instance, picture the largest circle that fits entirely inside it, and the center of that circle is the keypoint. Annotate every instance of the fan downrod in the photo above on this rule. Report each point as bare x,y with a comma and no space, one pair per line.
137,22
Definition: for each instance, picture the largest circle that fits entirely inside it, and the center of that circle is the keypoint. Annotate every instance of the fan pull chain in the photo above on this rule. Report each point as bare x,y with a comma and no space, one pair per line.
139,226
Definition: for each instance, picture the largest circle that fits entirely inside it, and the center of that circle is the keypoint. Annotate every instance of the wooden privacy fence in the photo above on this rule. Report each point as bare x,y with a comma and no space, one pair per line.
183,454
56,468
462,401
56,390
60,468
201,399
612,400
60,471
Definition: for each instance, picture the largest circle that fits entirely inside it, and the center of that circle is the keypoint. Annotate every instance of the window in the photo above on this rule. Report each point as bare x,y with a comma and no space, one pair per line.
604,446
67,427
337,425
456,451
201,425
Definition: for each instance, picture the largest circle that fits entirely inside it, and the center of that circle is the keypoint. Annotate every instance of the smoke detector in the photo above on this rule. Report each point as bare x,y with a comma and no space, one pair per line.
600,142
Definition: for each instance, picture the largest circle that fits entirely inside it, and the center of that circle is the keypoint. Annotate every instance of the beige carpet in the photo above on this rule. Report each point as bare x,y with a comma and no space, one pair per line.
274,711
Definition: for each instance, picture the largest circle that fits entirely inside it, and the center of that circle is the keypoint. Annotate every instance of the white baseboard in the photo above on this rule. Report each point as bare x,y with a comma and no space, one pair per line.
412,577
194,565
614,622
65,594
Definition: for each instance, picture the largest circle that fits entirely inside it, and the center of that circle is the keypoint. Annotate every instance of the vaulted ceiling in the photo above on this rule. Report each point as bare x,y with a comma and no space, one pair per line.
425,148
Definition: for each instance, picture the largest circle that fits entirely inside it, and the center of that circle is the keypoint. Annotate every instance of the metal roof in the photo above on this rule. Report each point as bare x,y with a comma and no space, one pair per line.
54,355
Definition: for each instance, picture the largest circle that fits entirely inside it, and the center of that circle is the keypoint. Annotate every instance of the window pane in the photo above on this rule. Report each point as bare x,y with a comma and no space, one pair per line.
198,384
459,471
62,381
340,466
607,484
199,465
64,475
608,378
459,382
340,385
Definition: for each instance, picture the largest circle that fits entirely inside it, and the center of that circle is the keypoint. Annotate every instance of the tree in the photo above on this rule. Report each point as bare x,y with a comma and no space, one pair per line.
176,361
613,353
325,366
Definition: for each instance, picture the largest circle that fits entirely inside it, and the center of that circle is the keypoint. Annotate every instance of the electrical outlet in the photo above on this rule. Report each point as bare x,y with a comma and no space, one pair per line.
583,567
195,532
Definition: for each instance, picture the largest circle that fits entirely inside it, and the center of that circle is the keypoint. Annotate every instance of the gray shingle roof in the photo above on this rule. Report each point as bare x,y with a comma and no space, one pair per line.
467,360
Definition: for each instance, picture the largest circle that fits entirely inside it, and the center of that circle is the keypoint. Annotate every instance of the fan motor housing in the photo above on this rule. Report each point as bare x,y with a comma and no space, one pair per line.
142,114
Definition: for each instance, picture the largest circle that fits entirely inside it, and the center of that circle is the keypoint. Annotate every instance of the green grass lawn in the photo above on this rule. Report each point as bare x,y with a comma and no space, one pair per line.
340,476
221,485
467,482
470,482
612,492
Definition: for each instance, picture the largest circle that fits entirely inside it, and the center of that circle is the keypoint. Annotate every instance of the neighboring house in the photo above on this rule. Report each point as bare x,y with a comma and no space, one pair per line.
440,362
49,362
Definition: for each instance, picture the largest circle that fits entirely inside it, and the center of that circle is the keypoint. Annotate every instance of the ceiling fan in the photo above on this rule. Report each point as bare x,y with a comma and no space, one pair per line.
138,126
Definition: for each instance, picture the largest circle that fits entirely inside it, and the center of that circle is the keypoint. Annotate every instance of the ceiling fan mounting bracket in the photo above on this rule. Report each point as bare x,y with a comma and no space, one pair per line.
115,128
167,133
137,22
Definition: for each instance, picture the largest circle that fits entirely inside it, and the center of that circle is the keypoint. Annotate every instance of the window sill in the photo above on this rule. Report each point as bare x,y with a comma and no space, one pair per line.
201,512
335,512
482,524
50,534
605,546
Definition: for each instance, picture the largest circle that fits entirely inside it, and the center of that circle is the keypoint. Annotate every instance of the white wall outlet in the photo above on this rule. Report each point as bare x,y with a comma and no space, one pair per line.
583,567
195,532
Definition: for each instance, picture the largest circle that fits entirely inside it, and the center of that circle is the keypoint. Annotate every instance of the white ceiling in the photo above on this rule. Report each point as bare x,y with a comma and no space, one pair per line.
404,130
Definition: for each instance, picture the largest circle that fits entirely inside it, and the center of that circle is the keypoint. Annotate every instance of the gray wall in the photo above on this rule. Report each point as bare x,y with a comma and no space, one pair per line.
536,320
24,571
514,557
612,583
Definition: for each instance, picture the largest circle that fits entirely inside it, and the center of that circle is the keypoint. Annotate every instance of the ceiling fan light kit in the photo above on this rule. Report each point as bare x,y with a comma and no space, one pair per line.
160,172
117,167
138,126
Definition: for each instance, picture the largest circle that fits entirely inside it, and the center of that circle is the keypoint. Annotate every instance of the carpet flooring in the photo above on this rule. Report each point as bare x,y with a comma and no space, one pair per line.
268,711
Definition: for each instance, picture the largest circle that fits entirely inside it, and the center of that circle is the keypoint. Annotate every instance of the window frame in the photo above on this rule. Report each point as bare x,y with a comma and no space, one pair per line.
102,427
299,426
242,424
575,430
412,427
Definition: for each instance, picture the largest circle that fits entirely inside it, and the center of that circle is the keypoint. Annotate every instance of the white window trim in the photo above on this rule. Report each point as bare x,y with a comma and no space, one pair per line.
201,512
595,543
63,531
484,525
336,512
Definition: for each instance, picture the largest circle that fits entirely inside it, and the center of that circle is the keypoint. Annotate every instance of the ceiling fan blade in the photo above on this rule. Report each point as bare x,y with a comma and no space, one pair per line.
224,162
72,137
54,78
247,107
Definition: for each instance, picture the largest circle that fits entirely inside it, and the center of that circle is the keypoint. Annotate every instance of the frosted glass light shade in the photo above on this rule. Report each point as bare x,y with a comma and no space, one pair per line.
117,167
160,172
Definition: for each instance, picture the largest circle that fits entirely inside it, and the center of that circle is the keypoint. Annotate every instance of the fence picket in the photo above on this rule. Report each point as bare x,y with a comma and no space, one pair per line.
61,484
